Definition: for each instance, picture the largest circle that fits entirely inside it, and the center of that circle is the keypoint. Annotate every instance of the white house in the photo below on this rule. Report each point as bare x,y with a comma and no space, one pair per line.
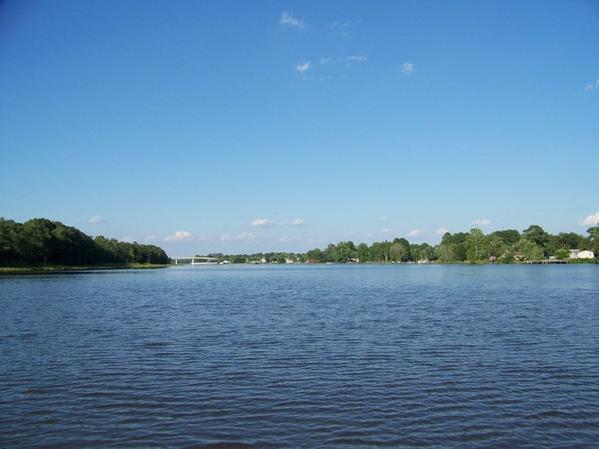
581,254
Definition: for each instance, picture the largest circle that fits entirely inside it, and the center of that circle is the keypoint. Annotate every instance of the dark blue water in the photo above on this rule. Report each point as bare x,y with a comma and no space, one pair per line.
337,356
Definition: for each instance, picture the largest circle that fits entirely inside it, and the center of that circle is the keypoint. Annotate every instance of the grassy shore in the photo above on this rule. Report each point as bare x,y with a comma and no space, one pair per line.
55,269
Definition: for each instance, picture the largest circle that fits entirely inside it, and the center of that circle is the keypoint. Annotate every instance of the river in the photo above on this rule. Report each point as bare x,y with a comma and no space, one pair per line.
302,356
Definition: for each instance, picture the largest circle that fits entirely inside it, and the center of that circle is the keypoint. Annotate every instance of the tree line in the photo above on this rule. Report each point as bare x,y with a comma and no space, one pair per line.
44,242
505,246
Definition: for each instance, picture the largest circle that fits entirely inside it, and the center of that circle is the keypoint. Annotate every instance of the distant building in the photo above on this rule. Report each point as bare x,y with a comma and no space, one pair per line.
581,254
520,257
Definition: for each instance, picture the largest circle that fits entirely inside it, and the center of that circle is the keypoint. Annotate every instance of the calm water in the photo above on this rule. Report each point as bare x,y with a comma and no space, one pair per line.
337,356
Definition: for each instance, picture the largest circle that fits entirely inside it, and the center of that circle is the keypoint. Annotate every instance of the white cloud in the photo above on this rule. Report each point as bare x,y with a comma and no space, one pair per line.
127,239
178,236
594,85
356,58
481,222
298,221
383,218
290,21
326,60
96,219
150,237
441,231
591,220
262,222
407,68
386,231
303,67
414,233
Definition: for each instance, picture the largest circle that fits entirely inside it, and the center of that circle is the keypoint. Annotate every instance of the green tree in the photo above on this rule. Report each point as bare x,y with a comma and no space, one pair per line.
477,247
363,252
399,251
497,249
9,252
454,246
422,252
380,251
594,240
315,255
343,252
539,237
562,254
530,249
509,237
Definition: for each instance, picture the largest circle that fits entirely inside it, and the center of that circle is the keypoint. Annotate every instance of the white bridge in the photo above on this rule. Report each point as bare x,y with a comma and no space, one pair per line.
197,260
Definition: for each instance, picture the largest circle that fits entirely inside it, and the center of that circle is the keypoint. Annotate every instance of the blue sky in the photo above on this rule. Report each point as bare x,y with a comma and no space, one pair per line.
243,126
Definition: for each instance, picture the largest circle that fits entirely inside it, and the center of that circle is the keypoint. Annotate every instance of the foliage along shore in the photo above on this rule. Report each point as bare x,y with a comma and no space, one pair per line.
57,269
533,245
44,245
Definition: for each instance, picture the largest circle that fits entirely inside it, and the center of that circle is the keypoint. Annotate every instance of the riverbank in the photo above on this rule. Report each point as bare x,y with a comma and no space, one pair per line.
56,269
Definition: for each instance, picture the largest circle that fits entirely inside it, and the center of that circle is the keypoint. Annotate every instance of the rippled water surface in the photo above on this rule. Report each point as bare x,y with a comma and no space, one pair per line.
302,356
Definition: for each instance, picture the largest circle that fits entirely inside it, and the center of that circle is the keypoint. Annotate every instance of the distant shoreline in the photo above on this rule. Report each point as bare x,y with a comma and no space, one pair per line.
37,270
58,269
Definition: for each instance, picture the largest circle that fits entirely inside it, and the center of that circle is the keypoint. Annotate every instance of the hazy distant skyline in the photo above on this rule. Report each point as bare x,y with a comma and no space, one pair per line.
246,126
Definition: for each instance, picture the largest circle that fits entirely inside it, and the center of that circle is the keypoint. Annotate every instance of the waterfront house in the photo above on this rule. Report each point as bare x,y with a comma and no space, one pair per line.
581,254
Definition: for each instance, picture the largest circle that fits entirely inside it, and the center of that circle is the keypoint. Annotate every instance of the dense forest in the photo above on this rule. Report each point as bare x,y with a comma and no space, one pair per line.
507,246
43,242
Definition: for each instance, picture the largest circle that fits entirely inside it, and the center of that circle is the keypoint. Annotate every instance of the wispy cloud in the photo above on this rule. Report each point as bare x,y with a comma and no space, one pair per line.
342,27
594,85
262,222
357,58
407,68
414,233
441,231
178,236
481,222
386,231
329,60
242,236
289,20
303,67
339,25
287,239
96,219
383,218
591,220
